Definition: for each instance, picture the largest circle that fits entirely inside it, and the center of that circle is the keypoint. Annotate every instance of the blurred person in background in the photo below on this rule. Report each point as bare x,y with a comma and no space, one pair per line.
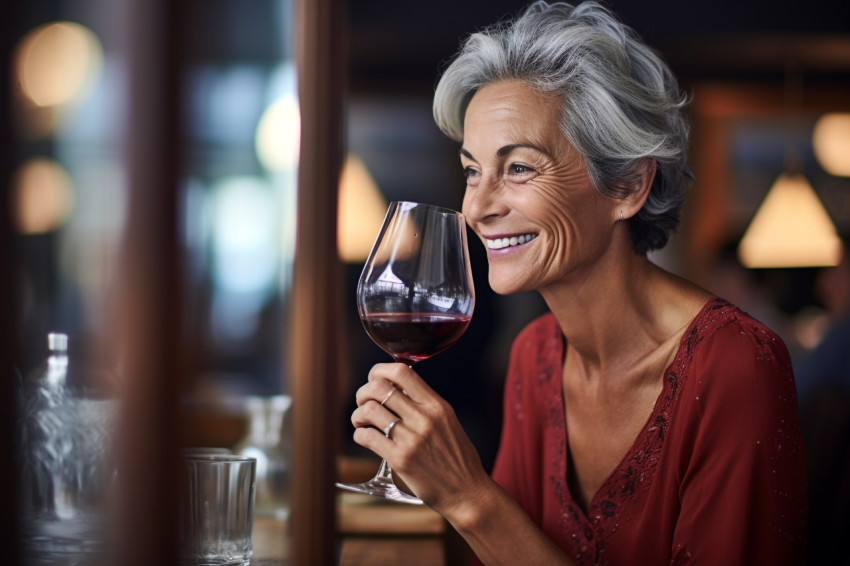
828,364
823,380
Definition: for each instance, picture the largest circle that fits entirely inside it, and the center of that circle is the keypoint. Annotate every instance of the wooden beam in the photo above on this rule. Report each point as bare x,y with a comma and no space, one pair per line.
316,317
149,308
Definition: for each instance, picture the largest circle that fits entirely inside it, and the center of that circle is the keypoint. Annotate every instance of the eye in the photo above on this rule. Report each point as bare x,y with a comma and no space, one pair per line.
519,170
469,173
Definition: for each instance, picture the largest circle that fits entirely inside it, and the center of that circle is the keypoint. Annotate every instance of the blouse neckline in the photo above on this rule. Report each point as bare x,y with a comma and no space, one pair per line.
636,470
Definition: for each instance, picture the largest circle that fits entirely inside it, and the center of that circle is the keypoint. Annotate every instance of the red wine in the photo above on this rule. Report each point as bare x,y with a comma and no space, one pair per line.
411,338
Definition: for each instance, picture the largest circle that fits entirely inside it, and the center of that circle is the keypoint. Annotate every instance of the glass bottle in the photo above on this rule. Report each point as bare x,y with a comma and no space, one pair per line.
267,441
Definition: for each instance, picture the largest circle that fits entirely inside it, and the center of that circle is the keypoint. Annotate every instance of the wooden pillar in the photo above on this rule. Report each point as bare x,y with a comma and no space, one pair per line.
148,314
316,304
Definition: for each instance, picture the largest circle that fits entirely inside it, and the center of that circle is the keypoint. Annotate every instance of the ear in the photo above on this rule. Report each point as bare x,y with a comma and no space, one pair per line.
639,190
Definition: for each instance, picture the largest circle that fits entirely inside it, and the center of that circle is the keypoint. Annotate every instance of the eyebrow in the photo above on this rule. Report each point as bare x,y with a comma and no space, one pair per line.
506,149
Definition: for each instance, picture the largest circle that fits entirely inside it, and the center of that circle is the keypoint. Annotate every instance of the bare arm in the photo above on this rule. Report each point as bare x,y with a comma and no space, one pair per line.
500,532
438,462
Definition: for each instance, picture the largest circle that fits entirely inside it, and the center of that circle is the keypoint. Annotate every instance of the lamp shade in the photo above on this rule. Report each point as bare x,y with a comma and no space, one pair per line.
791,228
361,211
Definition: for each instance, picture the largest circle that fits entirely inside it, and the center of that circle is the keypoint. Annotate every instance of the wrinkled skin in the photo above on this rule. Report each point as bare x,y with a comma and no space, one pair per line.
429,448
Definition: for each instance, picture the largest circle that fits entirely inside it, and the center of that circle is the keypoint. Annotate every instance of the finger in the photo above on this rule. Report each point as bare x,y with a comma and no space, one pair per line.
388,395
377,368
403,378
375,389
414,400
383,442
374,440
388,430
372,414
397,402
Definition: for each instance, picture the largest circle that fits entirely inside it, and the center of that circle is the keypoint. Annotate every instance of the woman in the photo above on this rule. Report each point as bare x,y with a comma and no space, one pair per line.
645,421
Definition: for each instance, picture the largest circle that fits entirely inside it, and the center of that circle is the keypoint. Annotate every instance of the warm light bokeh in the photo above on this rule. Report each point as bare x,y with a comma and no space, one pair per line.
791,228
278,136
831,143
57,63
43,196
361,211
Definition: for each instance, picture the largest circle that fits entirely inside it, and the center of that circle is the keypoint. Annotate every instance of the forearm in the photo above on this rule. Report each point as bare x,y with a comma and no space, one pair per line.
500,532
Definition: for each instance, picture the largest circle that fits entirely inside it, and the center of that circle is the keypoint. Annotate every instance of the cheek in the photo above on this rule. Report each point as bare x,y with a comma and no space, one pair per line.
576,222
552,206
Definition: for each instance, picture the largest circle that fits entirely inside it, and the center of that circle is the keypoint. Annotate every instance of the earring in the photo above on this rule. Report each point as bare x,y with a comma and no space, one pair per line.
621,216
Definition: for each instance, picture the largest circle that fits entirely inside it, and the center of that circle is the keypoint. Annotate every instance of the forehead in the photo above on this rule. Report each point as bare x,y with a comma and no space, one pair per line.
514,111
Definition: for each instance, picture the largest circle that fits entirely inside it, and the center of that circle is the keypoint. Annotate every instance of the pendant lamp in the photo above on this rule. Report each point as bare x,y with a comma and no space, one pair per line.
361,211
791,227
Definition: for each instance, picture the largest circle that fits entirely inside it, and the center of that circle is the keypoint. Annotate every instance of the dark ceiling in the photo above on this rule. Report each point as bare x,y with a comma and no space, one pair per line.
399,45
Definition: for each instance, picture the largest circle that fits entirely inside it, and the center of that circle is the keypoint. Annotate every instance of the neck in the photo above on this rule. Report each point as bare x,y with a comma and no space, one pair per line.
616,311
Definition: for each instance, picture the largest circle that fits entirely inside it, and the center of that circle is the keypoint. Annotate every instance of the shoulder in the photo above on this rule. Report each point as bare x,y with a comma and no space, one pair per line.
725,336
737,366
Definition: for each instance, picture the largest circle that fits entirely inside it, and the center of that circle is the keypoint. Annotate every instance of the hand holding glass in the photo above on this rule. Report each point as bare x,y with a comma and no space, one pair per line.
415,297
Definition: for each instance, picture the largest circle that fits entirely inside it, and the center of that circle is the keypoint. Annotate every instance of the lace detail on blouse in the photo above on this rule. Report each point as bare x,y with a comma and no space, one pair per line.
633,476
716,475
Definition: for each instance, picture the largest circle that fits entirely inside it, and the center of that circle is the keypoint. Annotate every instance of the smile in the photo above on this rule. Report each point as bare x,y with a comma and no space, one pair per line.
500,243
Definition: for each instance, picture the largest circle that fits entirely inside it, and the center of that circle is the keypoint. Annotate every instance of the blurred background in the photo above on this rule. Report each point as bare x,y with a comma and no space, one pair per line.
770,90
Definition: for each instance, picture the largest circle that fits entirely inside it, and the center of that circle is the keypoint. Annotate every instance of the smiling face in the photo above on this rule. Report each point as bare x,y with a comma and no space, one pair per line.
528,195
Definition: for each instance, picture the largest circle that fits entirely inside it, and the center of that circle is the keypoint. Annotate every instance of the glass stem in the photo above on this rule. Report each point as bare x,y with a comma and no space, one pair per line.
385,472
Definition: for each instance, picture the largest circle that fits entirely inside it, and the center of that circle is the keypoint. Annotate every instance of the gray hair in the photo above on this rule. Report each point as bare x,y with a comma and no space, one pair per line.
621,103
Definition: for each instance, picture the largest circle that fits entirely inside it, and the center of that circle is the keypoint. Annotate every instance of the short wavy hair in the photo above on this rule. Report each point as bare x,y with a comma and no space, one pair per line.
621,102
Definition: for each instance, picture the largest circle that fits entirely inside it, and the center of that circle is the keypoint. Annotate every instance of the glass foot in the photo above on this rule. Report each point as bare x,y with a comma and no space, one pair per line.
381,487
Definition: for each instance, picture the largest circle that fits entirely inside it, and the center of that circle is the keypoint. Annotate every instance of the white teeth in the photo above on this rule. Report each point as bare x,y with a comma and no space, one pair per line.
499,243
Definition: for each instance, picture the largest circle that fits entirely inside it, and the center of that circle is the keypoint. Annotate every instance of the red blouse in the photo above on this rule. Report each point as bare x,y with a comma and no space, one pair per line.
716,476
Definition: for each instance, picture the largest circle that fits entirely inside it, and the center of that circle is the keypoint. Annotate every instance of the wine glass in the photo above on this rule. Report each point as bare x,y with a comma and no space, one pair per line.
415,297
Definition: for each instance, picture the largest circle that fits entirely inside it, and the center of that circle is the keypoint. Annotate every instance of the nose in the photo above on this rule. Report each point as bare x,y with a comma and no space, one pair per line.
482,202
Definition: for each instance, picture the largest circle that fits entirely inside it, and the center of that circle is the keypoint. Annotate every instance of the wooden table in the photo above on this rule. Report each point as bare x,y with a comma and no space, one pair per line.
375,531
372,532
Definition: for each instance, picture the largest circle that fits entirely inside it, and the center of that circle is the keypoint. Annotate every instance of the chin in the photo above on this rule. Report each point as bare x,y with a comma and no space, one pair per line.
503,286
